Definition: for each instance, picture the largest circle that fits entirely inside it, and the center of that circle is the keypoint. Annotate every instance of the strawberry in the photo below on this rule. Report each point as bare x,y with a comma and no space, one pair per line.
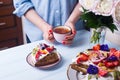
117,54
116,63
96,47
82,57
97,62
112,50
50,49
37,55
109,64
102,72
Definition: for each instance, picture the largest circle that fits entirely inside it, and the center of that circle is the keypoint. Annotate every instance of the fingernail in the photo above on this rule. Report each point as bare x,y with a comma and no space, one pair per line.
66,38
50,31
74,32
63,42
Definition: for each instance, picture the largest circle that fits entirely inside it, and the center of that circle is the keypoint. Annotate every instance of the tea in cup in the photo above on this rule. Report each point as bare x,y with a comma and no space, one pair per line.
60,32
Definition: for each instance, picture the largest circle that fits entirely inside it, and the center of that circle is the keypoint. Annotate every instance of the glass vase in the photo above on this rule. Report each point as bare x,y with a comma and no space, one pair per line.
97,36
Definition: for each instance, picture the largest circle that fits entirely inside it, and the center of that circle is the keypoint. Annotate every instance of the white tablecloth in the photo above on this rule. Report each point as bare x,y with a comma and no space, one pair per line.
13,65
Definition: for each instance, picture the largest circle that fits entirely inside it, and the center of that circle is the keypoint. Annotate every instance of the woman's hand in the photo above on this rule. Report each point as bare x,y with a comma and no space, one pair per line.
69,39
48,34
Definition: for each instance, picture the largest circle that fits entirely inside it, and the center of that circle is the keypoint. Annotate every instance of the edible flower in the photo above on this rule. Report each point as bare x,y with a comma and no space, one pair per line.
92,69
112,58
104,47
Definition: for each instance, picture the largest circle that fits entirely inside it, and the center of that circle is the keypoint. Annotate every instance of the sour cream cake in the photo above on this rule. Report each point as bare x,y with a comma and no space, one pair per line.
98,63
44,54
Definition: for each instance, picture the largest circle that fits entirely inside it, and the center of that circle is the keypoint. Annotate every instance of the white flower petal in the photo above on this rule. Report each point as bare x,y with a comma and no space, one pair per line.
105,7
117,12
87,4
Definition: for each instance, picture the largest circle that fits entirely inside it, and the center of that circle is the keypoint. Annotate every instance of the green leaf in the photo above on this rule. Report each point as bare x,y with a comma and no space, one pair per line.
96,21
116,75
112,27
89,77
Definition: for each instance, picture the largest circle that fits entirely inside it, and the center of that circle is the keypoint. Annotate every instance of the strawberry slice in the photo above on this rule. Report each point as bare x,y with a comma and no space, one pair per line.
96,47
50,49
116,63
117,54
102,72
112,50
82,57
109,64
37,55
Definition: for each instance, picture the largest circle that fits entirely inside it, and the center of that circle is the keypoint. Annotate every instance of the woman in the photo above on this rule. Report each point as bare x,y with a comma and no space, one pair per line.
43,15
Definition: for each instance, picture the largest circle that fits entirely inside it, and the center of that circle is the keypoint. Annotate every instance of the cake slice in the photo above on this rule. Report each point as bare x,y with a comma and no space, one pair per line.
44,55
48,59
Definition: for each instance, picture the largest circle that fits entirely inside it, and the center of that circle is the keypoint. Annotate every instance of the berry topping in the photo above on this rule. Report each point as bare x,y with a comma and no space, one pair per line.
102,72
41,51
96,47
112,50
50,49
111,64
82,57
37,55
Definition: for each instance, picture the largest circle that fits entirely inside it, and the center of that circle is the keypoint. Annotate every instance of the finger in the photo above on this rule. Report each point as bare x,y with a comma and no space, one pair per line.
51,38
50,31
72,35
67,42
69,37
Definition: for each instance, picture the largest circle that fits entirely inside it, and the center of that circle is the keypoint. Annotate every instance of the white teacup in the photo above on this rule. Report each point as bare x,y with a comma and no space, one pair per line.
60,32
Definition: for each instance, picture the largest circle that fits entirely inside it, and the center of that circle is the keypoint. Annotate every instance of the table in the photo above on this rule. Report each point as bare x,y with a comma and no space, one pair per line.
13,65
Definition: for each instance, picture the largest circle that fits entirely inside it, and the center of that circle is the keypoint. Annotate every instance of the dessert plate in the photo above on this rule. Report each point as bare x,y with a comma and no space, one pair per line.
74,75
31,62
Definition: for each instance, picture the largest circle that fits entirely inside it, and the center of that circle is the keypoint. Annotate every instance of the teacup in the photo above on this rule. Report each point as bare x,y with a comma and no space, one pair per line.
60,32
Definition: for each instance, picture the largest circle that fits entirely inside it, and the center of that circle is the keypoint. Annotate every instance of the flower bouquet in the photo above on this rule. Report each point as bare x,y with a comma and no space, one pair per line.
99,15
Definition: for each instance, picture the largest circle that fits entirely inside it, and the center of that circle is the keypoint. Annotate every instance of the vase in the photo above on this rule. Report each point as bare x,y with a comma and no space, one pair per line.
97,36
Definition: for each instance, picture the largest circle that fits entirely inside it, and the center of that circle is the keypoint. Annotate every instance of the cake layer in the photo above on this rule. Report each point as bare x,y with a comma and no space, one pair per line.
49,59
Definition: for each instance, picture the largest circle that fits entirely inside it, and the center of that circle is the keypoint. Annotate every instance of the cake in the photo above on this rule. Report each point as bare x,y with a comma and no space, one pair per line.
98,63
44,54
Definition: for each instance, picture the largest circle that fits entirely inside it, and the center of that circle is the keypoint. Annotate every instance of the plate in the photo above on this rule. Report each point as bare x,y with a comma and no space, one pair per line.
74,75
31,62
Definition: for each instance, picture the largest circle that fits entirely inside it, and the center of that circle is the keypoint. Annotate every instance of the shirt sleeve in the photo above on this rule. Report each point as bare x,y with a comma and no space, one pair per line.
21,7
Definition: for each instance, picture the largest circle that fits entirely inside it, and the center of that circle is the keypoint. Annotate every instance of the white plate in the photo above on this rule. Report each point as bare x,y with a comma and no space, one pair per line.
30,61
74,75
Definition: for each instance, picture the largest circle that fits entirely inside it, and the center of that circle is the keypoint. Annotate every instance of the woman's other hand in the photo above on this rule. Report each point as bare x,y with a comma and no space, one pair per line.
69,39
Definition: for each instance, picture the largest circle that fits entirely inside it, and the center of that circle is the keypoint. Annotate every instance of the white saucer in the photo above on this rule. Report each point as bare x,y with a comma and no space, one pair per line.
30,61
